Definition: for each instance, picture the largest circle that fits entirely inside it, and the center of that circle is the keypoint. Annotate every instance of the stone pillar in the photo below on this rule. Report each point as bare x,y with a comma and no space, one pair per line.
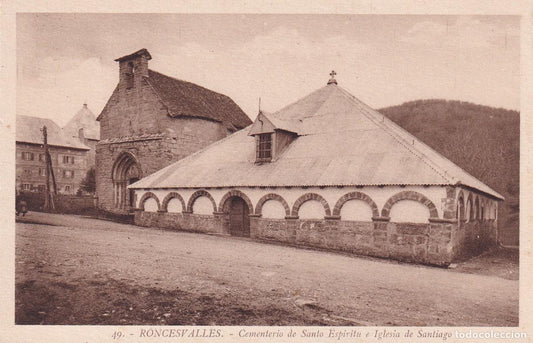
115,194
292,227
253,224
449,204
120,195
220,223
380,236
441,250
125,195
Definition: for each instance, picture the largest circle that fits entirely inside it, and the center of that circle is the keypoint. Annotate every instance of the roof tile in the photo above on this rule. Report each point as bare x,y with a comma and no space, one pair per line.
188,99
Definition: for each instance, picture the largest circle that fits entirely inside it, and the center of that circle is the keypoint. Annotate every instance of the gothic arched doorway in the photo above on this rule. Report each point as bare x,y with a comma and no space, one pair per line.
126,171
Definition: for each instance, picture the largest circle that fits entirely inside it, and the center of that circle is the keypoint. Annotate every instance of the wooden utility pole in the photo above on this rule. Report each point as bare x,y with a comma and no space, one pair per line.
49,198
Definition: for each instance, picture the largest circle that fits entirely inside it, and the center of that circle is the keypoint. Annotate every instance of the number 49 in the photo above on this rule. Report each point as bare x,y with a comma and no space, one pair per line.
117,334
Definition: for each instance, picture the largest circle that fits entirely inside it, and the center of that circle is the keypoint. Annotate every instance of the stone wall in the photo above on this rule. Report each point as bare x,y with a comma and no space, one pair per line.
91,154
151,156
182,221
439,240
64,203
135,121
421,243
139,111
473,238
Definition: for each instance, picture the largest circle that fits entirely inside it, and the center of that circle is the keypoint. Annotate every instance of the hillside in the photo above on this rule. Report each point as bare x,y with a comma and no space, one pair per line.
484,141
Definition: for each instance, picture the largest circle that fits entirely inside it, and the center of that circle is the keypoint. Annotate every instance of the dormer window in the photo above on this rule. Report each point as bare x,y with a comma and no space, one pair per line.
264,147
271,140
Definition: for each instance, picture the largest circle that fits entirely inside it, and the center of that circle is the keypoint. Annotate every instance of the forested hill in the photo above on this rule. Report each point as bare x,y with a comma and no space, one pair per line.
484,141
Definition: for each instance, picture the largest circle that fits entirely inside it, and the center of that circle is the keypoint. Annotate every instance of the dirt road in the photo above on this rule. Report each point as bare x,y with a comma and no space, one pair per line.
223,273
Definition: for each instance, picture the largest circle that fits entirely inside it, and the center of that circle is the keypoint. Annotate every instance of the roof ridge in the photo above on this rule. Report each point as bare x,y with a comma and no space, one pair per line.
198,101
191,83
424,158
323,103
398,131
297,101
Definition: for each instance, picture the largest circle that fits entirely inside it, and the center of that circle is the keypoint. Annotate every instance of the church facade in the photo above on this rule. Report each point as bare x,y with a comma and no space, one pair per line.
150,121
326,171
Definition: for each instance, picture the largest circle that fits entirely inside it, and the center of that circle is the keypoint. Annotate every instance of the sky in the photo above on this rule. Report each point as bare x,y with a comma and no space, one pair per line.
65,60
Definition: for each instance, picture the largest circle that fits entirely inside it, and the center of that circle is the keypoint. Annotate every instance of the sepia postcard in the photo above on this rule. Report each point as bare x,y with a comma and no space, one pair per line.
237,172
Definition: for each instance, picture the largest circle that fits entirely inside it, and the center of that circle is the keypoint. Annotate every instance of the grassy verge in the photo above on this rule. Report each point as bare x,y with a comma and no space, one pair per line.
112,302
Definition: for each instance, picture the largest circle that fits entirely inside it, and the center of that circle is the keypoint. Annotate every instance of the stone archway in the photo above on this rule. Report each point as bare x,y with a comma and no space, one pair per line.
126,170
410,195
306,197
237,207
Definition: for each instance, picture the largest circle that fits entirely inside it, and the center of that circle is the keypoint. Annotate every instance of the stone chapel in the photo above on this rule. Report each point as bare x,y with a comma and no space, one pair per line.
150,121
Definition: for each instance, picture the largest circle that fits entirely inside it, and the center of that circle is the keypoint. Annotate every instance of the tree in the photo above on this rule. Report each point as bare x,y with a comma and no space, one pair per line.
482,140
88,184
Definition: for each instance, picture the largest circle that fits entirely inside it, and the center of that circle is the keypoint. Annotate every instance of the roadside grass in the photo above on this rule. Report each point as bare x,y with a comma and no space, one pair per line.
113,302
501,262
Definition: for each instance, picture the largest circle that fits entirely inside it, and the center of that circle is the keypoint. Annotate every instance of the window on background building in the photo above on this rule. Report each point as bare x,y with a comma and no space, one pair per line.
42,171
68,173
27,171
27,156
42,158
67,188
68,159
41,188
264,147
26,187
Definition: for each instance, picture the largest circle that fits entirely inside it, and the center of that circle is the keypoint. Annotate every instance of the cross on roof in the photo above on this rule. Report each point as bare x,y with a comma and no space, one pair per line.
332,80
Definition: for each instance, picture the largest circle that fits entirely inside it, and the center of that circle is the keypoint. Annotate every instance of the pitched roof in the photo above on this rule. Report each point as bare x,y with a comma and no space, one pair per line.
28,130
269,123
341,142
184,98
85,119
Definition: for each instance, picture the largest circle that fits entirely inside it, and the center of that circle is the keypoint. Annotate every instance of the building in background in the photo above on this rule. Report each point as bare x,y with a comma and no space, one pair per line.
327,171
86,128
150,121
69,156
